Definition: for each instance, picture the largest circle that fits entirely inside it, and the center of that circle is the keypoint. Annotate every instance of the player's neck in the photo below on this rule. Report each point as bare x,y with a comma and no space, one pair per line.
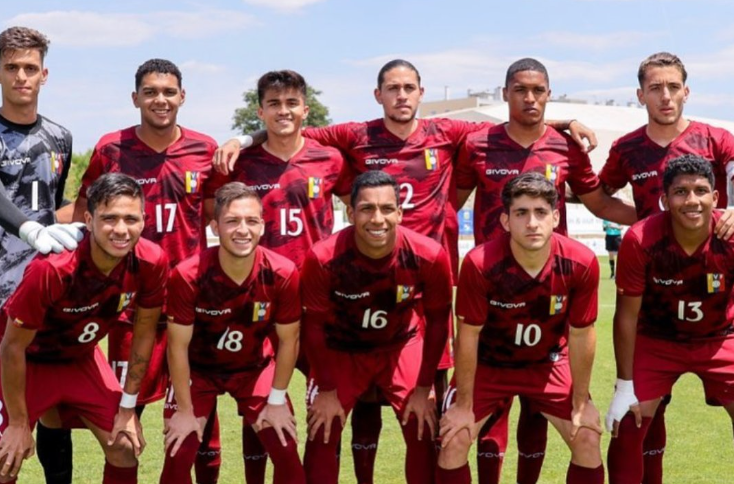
690,240
20,114
284,147
664,134
524,135
401,130
236,268
158,139
532,261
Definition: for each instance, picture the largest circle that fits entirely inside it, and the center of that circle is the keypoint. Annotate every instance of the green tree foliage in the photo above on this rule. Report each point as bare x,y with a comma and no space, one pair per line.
245,119
79,164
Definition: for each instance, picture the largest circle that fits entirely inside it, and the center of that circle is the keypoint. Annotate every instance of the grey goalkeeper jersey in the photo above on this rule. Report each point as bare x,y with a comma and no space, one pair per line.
34,164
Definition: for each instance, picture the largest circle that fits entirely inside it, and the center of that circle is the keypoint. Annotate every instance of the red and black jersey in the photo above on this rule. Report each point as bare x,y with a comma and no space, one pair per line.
490,158
232,321
684,297
71,304
374,305
422,164
526,319
173,183
296,194
638,160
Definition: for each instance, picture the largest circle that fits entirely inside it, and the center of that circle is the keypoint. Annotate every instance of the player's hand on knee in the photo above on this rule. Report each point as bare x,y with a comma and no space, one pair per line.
16,445
226,155
180,426
325,407
128,426
725,226
585,414
280,418
422,403
456,419
624,401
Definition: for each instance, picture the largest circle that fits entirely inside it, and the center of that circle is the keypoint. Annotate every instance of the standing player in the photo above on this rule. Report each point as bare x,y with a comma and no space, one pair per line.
526,305
172,164
64,305
488,159
222,306
612,239
420,154
377,297
639,158
674,311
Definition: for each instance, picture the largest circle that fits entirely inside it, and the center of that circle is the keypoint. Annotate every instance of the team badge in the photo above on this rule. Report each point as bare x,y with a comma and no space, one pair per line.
431,156
192,181
18,322
558,304
551,173
405,293
314,187
714,283
57,163
261,311
125,299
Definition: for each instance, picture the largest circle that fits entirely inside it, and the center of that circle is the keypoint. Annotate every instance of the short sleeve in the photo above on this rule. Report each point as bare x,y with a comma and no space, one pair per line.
314,285
471,297
466,175
338,136
95,170
612,174
154,282
584,307
438,288
631,266
289,299
40,287
582,178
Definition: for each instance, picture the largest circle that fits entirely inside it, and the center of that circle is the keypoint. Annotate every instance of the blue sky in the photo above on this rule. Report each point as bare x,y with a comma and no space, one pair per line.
591,47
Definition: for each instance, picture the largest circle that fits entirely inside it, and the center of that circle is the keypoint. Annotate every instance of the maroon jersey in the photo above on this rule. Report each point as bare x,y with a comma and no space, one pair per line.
636,159
71,304
526,319
422,165
684,297
232,321
296,195
173,183
490,158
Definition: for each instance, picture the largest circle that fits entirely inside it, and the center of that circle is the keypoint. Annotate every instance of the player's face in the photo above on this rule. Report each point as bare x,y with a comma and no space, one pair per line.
283,111
663,94
158,99
375,216
530,221
691,200
21,77
239,227
526,95
115,228
400,94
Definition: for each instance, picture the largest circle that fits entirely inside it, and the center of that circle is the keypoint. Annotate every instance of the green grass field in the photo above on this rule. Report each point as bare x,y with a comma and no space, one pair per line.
699,437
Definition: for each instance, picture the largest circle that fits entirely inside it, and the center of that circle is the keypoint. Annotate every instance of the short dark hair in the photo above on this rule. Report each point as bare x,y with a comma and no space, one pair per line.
110,186
17,38
526,64
532,184
229,192
156,66
373,179
687,165
661,59
392,65
280,81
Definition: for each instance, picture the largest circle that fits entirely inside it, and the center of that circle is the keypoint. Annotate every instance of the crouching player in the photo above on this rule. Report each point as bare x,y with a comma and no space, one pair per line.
64,305
526,305
674,311
222,305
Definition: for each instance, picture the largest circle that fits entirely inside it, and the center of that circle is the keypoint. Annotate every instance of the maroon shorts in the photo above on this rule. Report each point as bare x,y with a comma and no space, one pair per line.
85,387
394,373
548,389
119,342
249,388
659,363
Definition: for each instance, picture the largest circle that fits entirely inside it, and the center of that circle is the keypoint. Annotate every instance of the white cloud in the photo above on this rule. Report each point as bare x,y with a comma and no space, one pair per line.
283,5
586,42
194,66
92,29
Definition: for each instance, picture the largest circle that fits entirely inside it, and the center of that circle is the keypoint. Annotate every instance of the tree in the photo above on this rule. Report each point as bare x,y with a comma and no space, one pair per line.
79,164
245,119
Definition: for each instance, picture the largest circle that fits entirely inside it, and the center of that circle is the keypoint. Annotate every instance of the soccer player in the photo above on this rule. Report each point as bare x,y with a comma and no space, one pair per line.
172,164
65,304
420,154
223,303
612,239
674,310
639,158
526,307
376,297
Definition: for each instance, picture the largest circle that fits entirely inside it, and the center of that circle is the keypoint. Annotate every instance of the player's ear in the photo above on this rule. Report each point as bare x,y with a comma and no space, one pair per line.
556,218
504,94
183,96
350,214
88,220
664,201
640,96
44,76
505,221
135,99
215,227
715,194
686,92
378,96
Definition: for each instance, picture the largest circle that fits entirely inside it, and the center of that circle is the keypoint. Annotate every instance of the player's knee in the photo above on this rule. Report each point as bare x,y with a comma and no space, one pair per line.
586,447
456,451
121,454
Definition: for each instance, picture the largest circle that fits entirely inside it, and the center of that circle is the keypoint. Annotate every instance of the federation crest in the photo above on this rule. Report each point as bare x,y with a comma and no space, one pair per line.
192,181
57,163
261,311
558,305
314,187
405,293
125,299
431,156
551,173
715,283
